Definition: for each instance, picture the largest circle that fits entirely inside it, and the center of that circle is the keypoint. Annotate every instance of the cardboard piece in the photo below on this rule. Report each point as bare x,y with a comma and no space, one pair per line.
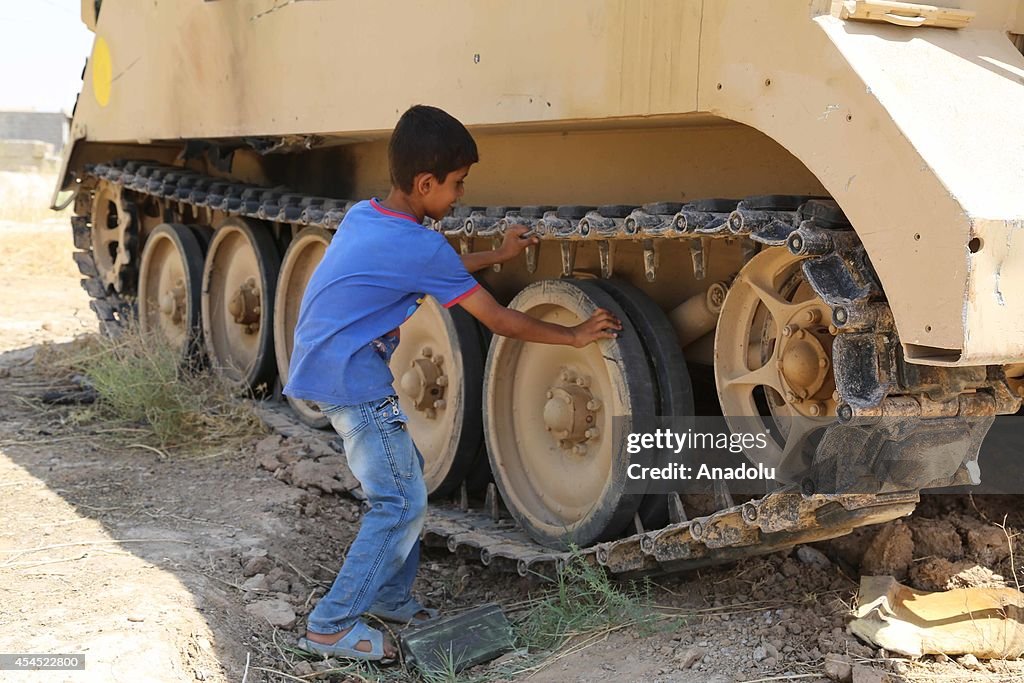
985,622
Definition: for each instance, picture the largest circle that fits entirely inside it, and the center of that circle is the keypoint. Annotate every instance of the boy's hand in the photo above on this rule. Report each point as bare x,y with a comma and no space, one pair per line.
514,243
601,325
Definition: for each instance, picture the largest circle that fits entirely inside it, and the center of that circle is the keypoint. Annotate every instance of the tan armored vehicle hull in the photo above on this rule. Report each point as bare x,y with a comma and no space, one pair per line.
875,146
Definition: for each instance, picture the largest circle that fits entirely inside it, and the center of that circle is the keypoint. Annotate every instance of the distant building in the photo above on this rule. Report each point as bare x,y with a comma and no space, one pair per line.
51,127
31,140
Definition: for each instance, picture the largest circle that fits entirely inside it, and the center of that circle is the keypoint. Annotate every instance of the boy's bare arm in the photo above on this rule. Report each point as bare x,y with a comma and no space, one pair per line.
510,323
511,246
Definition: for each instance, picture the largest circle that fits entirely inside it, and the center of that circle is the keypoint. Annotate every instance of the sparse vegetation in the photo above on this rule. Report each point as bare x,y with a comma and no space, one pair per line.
584,600
141,379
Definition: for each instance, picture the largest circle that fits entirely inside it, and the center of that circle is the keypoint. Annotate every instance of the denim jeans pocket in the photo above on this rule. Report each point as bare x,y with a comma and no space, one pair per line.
348,420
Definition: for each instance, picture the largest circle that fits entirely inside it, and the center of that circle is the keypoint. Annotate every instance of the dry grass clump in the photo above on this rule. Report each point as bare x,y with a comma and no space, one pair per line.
141,379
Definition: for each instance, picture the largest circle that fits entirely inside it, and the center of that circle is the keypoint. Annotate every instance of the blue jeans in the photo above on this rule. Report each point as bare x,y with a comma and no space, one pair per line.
381,564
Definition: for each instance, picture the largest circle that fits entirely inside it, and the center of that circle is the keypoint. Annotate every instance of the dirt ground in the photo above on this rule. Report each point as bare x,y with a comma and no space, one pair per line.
202,568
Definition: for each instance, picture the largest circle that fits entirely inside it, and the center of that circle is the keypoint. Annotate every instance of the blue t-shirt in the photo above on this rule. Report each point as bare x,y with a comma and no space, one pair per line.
373,276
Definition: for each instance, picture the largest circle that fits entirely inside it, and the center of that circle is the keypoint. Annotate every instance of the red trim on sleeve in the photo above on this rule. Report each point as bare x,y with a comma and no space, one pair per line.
393,214
462,296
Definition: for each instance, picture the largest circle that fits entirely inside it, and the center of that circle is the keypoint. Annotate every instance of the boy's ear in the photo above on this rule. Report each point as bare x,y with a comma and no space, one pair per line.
423,183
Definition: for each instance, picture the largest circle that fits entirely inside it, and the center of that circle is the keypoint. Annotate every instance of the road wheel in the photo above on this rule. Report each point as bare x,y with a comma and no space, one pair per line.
668,367
170,286
438,368
300,260
238,302
557,459
773,360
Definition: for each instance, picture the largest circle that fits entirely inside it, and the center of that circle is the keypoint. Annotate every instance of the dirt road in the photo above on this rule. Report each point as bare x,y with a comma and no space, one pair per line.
202,568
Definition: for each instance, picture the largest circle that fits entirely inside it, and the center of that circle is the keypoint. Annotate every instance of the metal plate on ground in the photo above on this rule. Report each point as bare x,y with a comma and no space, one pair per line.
457,642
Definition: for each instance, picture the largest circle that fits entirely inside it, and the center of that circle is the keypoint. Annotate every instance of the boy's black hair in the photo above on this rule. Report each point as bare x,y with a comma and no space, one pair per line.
428,140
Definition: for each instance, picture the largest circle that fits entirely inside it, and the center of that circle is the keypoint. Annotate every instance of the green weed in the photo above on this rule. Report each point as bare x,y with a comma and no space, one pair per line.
583,600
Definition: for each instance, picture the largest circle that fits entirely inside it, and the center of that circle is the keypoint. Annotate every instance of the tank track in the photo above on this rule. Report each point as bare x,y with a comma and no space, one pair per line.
113,311
779,520
894,412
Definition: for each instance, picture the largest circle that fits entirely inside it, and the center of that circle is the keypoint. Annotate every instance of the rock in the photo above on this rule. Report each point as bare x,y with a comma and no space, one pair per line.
136,618
269,444
849,549
937,574
932,574
935,538
988,544
839,668
813,557
260,564
967,574
901,667
687,657
302,669
865,674
269,462
307,473
288,457
281,586
256,583
338,467
350,513
254,552
890,553
760,654
971,662
275,612
336,461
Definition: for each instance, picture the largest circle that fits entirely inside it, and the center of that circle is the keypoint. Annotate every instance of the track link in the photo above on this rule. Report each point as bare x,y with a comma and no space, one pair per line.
875,385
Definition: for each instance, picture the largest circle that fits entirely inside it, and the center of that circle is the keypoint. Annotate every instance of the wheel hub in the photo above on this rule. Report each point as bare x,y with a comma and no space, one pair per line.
424,382
774,342
803,357
570,412
172,302
244,306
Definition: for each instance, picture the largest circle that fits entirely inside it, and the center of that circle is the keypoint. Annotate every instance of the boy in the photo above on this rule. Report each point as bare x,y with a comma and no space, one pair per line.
380,264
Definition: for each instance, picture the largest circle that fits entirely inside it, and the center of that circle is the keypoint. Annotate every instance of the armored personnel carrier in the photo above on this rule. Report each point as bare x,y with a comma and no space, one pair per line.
806,212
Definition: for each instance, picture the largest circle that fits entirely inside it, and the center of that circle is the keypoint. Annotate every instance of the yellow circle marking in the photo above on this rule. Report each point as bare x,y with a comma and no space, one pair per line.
102,72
